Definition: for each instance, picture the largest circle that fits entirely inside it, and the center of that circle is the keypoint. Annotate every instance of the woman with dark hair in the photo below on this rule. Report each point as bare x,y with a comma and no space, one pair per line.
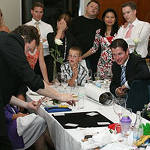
103,38
64,36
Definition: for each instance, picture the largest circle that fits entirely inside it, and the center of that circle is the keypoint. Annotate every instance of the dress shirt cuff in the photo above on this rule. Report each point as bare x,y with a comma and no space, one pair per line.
127,85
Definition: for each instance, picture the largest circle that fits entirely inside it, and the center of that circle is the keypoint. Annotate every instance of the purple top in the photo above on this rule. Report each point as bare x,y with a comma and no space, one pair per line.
16,140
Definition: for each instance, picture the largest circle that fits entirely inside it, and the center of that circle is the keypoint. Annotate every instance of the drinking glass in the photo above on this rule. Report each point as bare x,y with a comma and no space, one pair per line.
118,106
89,78
97,76
57,81
64,82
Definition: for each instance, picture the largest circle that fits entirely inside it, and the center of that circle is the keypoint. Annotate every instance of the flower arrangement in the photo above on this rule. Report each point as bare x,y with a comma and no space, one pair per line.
146,111
55,53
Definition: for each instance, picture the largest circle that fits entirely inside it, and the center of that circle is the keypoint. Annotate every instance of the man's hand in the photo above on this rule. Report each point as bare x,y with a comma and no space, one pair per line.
68,98
121,91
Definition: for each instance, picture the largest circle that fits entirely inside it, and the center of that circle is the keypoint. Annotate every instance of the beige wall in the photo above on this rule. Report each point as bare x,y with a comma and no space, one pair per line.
12,12
83,4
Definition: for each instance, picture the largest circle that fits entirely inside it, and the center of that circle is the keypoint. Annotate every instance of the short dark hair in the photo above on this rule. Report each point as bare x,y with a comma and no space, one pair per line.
130,4
37,4
119,43
29,33
76,48
94,1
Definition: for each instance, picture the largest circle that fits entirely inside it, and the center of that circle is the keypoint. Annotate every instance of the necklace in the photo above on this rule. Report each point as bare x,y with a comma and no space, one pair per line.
65,51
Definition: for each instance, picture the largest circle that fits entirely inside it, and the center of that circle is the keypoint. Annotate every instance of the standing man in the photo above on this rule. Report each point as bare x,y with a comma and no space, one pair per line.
84,28
135,32
43,28
17,71
126,68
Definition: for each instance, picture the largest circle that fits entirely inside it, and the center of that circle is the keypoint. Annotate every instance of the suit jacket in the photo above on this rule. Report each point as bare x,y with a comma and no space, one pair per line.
15,70
136,69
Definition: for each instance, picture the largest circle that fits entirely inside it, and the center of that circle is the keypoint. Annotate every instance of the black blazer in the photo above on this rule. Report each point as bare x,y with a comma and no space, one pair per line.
136,69
70,41
15,70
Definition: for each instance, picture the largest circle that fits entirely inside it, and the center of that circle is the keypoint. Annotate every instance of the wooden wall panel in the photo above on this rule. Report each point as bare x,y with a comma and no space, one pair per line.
143,8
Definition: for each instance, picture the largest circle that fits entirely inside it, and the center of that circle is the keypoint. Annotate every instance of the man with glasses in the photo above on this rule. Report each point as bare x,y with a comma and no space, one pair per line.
72,70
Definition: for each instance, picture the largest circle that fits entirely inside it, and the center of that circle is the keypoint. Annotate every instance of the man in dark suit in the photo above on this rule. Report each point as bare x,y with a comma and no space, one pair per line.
126,69
15,71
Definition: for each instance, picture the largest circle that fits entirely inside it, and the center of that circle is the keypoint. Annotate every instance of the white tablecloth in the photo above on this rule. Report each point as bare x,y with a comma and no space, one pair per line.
71,139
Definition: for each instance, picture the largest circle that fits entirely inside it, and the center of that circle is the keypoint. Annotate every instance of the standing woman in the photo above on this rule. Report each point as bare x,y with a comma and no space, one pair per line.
62,33
3,27
104,37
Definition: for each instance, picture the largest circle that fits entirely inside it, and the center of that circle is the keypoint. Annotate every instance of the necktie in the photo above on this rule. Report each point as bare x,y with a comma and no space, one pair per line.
37,26
123,75
128,34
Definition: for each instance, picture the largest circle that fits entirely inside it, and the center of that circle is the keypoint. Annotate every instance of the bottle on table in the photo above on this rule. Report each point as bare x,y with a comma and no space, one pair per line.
137,129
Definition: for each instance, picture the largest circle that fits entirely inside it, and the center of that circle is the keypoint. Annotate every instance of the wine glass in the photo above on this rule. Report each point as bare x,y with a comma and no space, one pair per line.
118,106
97,76
57,81
64,82
89,78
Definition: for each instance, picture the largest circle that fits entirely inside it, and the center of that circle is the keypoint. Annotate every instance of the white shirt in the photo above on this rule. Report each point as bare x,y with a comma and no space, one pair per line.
140,32
45,28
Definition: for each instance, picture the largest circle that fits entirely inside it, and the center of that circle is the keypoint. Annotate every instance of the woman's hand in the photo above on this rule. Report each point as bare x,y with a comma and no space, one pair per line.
34,105
61,25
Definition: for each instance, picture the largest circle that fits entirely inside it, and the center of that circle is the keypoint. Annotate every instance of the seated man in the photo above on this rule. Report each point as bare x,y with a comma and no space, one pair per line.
126,68
72,70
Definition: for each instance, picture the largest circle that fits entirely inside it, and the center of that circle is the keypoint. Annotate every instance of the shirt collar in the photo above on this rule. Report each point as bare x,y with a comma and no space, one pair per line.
134,23
125,64
33,20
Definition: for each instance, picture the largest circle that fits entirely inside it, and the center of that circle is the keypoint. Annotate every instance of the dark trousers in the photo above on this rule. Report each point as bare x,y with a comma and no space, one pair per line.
4,140
5,143
138,95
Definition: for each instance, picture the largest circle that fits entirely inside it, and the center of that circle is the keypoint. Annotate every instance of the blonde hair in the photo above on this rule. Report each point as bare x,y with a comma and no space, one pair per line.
76,48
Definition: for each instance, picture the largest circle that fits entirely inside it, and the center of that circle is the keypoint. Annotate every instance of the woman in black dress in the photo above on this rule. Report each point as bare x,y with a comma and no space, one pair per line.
65,36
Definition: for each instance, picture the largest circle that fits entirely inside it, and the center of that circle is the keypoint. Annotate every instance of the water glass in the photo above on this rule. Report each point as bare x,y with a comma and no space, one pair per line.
97,76
119,106
81,98
89,78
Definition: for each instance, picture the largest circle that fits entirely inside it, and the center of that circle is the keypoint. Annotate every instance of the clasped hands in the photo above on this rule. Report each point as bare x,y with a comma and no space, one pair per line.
121,91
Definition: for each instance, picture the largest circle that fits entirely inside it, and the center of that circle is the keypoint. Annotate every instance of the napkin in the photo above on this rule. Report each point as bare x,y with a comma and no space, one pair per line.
93,91
102,138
